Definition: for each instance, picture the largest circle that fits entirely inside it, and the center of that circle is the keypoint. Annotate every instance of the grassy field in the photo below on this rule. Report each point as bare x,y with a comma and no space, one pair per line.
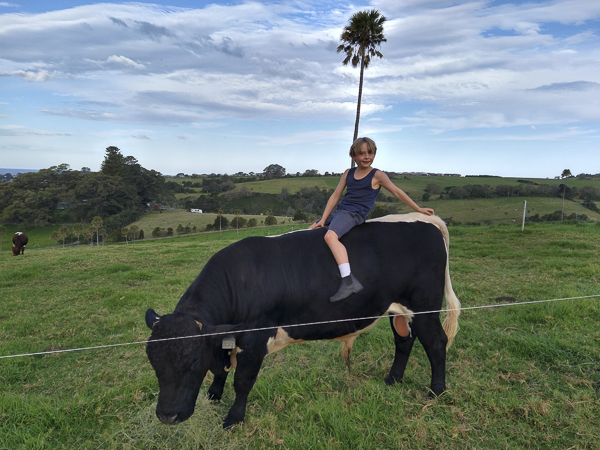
39,237
471,211
173,218
483,211
480,211
519,376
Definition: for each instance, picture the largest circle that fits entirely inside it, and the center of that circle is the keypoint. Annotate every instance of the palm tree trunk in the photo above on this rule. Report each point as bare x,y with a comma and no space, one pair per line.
360,85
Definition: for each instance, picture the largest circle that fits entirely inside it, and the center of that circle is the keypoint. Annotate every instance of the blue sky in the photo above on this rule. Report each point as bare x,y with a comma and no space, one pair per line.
468,87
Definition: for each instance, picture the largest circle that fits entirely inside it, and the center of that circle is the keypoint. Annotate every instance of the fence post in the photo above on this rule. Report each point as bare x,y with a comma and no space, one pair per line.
524,212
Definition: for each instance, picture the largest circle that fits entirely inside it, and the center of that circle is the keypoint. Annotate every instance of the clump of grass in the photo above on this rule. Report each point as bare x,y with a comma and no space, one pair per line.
203,431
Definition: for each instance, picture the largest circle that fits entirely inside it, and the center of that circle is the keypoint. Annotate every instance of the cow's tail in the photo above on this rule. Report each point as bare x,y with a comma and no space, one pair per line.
450,324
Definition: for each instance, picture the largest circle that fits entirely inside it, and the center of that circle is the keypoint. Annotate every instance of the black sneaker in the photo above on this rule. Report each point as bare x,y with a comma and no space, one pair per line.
348,286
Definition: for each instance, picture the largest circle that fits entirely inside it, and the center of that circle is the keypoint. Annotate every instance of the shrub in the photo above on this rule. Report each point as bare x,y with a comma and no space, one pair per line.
115,236
380,211
238,222
300,215
270,220
221,223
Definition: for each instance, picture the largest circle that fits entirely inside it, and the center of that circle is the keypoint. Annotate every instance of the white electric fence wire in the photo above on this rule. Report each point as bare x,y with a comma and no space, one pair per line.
296,325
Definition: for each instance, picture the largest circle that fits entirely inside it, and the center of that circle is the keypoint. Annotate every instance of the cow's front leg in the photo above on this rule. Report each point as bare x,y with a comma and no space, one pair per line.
215,391
249,361
403,348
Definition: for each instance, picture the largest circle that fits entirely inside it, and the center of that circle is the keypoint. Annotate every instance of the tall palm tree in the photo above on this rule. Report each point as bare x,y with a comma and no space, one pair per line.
220,214
97,222
237,213
361,40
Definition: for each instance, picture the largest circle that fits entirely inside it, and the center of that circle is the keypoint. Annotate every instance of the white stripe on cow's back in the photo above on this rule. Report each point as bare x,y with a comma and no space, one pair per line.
411,217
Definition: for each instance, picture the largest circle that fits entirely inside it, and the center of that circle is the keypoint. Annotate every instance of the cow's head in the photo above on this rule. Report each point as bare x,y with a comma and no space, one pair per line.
179,361
16,250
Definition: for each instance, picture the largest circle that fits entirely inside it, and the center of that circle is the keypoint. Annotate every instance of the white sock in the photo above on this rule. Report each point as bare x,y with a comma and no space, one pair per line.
344,270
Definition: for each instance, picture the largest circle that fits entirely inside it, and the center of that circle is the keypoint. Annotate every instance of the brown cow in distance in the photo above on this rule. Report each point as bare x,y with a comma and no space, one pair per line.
19,242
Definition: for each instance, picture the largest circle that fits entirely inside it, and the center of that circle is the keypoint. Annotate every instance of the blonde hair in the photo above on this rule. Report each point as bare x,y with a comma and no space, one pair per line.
357,144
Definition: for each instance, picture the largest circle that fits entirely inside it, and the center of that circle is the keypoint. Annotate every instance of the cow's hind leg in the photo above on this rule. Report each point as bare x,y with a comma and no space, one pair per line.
429,331
403,348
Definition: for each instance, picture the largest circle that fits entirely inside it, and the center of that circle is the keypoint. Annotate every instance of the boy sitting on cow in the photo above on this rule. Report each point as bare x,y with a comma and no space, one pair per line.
362,184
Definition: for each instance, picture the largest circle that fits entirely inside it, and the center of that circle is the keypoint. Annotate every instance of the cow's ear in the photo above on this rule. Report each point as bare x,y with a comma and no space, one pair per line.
151,318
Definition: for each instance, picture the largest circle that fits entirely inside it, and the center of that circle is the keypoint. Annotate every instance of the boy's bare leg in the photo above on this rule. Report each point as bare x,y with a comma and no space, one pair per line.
348,285
337,248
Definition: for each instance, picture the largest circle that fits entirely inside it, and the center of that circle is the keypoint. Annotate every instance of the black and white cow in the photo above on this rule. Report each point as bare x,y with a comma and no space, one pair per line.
274,283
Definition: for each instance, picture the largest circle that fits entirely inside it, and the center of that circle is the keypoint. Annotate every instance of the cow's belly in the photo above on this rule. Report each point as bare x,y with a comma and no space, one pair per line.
282,339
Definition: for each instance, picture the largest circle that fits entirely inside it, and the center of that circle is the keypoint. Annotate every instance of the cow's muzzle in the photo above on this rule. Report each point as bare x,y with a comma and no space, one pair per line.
169,419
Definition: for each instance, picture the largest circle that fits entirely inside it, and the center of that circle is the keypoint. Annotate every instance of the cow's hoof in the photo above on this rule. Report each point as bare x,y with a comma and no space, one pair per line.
229,423
435,394
213,397
390,380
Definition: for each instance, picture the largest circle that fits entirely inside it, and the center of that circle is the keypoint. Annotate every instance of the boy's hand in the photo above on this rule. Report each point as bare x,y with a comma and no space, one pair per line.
317,224
426,211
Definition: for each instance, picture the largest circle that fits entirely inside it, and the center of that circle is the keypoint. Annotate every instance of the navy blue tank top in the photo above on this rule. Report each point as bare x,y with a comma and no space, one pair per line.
360,196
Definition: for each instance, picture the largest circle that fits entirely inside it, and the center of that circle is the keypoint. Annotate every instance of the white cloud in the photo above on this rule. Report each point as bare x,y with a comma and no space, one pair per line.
124,61
448,66
40,75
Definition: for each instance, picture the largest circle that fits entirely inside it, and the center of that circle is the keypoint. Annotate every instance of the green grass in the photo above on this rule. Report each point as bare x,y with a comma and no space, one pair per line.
502,210
518,376
39,237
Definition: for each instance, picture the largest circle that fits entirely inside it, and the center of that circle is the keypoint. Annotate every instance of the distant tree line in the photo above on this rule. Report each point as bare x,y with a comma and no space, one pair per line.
119,193
272,171
305,205
523,189
310,200
123,190
557,216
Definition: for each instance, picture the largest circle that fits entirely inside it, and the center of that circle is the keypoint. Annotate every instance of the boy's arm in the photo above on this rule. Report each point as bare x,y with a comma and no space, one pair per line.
333,200
383,180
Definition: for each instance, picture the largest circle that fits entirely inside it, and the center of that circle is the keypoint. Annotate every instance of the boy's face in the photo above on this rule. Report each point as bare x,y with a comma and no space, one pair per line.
364,157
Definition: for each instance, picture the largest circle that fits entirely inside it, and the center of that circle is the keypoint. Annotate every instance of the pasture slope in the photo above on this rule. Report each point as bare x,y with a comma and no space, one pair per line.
518,376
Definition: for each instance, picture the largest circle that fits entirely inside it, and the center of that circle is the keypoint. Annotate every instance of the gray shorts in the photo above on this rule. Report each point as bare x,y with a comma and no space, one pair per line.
341,221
